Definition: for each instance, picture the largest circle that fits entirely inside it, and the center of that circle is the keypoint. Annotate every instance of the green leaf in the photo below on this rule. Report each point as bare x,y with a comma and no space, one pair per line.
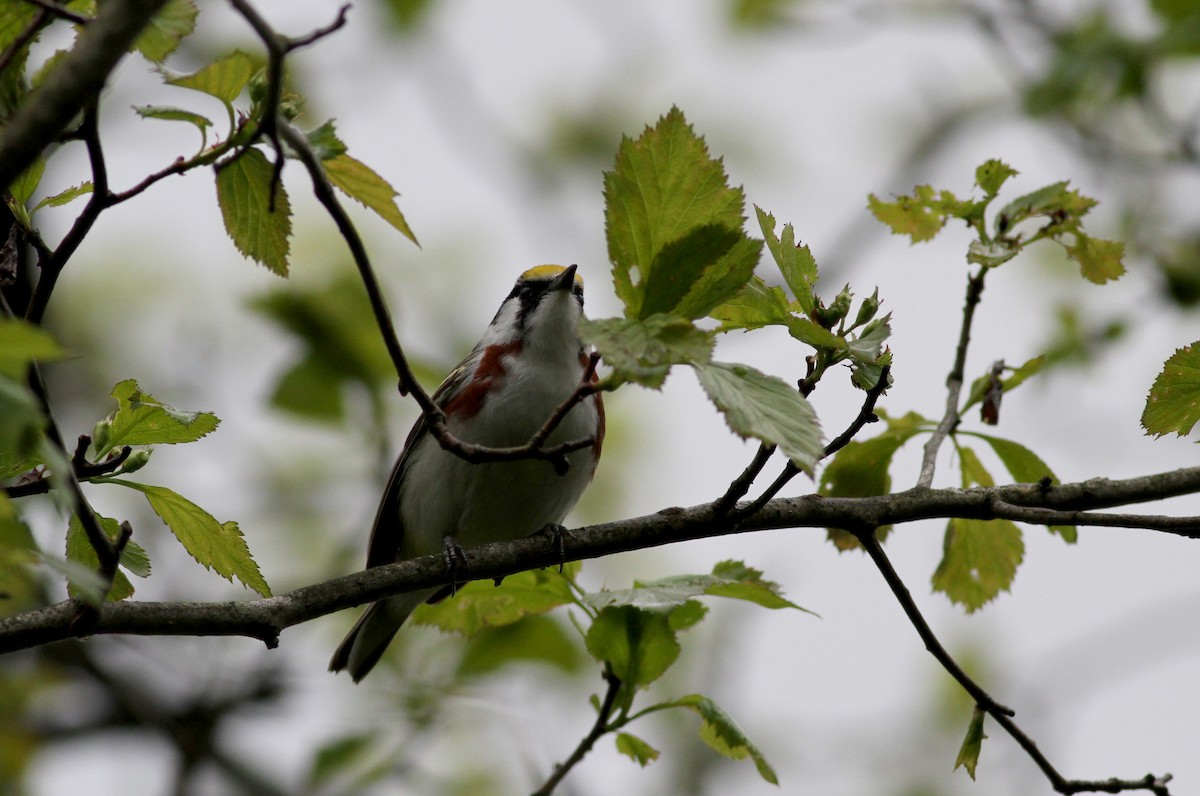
325,142
730,579
224,78
171,25
257,218
722,734
65,197
968,753
861,469
535,639
360,183
1026,467
18,554
21,427
662,187
1173,405
80,551
142,419
693,274
639,645
755,305
795,262
636,749
172,114
764,407
22,343
920,216
1045,199
1099,260
992,174
22,188
643,351
480,605
218,546
979,560
339,756
816,336
1009,383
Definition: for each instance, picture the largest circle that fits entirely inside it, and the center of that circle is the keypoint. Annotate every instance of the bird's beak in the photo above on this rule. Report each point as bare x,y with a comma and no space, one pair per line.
565,280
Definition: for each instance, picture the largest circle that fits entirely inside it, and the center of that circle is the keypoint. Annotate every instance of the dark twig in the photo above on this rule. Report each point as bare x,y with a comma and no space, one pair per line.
954,381
84,470
741,485
59,10
598,730
866,414
320,33
26,36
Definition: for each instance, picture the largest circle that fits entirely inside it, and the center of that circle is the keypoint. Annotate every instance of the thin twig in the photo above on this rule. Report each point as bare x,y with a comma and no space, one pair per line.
26,36
62,11
741,485
84,470
866,414
954,381
599,728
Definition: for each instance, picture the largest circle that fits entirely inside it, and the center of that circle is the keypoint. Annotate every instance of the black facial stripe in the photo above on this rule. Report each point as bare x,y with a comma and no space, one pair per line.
530,292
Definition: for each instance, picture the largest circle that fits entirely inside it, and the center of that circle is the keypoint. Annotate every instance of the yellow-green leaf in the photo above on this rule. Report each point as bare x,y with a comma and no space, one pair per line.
968,753
1099,260
224,78
979,560
172,24
142,419
358,181
21,343
257,217
1173,405
722,734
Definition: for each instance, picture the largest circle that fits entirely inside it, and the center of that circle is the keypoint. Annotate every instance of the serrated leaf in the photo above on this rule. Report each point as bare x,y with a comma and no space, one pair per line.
224,78
764,407
22,343
220,547
1048,197
992,174
796,263
643,351
816,336
968,753
65,197
693,274
755,305
142,419
257,218
325,142
167,28
479,605
22,188
979,560
80,551
722,734
638,645
636,749
973,471
919,216
1173,404
360,183
663,185
1099,260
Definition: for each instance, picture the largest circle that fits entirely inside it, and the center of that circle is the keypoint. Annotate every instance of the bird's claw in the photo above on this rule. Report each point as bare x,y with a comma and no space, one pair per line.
557,535
453,555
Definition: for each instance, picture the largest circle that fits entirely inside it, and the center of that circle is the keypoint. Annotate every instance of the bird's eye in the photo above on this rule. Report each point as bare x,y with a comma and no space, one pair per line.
527,292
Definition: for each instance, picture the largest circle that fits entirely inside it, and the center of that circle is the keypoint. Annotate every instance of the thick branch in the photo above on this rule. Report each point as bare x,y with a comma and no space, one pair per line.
74,82
266,619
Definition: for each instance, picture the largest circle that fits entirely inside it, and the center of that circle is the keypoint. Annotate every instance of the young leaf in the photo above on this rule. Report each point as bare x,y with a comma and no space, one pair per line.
167,28
731,579
722,733
325,142
1173,404
22,343
920,216
479,605
643,351
1099,260
218,546
224,78
968,754
80,551
761,406
360,183
65,197
979,560
992,174
795,262
639,645
663,185
141,419
168,113
695,273
979,387
636,749
755,305
257,217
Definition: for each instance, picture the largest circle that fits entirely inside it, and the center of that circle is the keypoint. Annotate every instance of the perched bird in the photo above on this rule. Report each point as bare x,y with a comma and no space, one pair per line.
528,363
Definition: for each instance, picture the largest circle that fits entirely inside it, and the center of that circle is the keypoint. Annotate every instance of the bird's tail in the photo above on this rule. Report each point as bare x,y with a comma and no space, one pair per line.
364,645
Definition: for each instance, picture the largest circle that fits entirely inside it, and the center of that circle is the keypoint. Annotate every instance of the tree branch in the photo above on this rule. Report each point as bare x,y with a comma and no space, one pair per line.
265,619
588,741
74,82
954,381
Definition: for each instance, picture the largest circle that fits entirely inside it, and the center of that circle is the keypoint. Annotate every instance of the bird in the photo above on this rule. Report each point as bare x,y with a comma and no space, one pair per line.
529,361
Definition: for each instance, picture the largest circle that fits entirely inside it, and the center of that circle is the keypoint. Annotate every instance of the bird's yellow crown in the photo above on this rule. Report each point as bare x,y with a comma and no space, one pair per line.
540,272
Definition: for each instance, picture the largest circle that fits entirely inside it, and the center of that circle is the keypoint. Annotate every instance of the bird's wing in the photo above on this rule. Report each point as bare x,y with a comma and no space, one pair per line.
388,531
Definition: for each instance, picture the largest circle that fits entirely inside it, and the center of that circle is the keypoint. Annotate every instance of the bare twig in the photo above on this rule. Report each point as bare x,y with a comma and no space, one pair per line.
954,381
84,470
599,728
59,10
